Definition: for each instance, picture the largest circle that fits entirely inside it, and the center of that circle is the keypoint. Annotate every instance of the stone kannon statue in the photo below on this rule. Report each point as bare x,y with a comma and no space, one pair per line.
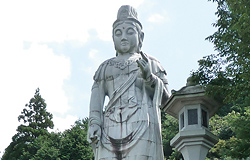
129,127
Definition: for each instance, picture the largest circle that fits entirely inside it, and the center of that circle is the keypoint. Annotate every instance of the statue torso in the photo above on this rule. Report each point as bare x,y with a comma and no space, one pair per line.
118,71
128,118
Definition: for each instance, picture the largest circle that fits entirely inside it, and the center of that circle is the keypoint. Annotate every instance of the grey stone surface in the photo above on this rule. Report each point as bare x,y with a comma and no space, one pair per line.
193,108
129,127
189,95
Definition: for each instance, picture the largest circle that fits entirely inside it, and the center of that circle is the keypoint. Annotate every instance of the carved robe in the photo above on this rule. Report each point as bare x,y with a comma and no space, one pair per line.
131,122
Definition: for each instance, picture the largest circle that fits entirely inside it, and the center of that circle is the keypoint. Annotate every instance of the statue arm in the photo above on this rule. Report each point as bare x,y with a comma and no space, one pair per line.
166,93
98,93
150,85
96,103
96,111
152,70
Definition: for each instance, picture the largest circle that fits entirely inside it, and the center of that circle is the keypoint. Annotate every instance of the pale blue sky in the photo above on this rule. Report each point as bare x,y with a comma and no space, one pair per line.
57,46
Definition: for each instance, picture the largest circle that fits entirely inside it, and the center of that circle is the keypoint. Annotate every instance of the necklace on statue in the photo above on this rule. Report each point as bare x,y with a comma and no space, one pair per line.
122,64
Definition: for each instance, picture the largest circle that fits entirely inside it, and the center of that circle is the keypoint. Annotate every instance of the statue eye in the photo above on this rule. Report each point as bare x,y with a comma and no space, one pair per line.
118,32
130,31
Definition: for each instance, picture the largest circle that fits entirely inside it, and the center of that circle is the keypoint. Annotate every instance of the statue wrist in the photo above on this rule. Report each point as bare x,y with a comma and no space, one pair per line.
150,80
94,121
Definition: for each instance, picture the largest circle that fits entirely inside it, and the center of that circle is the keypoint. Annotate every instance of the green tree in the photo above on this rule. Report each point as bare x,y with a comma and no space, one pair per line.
71,144
226,77
34,142
74,142
169,129
36,121
46,146
227,73
236,144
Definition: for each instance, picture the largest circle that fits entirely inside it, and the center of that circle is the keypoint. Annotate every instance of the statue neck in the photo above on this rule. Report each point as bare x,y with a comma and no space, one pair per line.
125,56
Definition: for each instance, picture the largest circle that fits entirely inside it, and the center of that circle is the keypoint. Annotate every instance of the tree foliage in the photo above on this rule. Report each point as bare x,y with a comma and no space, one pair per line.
226,77
170,128
36,121
33,141
234,133
46,147
227,73
71,144
74,142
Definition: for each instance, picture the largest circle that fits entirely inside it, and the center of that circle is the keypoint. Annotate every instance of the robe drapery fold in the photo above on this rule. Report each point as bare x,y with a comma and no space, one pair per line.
132,119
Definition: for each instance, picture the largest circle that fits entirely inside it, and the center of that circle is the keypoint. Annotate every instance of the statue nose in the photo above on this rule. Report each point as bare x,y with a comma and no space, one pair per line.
124,37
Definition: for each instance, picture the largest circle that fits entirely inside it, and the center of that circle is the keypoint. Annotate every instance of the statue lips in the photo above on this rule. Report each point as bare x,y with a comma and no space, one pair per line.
124,43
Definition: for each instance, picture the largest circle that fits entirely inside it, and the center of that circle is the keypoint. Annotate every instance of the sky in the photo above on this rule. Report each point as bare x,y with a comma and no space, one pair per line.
57,45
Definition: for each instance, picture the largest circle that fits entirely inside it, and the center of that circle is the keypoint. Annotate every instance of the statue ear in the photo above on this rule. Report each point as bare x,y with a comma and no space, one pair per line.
142,36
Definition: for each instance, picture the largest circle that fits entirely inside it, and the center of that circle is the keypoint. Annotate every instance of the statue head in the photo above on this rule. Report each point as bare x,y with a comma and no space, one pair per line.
126,16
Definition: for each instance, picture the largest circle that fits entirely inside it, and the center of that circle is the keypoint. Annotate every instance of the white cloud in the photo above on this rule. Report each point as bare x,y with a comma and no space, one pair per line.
155,18
93,53
158,17
60,20
40,67
63,123
96,59
88,70
22,71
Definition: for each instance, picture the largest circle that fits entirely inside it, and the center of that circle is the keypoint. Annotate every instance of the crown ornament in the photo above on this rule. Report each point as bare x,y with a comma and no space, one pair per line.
127,13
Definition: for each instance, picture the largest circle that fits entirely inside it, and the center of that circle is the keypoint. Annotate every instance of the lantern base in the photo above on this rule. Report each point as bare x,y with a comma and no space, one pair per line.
194,144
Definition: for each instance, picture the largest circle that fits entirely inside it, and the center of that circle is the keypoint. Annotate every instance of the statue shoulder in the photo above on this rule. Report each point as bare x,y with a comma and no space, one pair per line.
158,70
153,59
100,72
156,65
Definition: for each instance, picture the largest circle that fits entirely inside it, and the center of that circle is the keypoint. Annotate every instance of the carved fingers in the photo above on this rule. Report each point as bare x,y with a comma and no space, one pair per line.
143,55
94,133
144,65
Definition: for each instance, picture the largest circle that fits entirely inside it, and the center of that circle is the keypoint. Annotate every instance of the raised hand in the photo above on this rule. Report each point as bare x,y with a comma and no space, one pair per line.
144,65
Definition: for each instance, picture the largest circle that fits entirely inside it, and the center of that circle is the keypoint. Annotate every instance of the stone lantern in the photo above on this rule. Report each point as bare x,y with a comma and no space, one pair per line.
193,109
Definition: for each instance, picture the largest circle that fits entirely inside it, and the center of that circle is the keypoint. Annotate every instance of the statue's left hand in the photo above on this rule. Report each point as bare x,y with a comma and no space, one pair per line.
144,65
94,133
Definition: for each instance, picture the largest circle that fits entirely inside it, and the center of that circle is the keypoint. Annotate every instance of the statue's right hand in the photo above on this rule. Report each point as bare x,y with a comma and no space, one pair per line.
94,133
145,65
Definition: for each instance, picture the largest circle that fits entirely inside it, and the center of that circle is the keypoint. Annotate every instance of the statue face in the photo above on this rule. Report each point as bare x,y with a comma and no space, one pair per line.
126,38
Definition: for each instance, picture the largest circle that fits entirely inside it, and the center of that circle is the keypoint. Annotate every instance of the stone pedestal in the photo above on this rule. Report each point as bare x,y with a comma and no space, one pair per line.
193,109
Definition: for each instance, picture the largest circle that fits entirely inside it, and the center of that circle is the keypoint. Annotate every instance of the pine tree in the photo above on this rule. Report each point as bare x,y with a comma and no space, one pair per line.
36,121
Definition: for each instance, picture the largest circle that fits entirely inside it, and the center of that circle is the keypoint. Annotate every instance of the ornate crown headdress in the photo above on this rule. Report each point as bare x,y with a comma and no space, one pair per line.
125,13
